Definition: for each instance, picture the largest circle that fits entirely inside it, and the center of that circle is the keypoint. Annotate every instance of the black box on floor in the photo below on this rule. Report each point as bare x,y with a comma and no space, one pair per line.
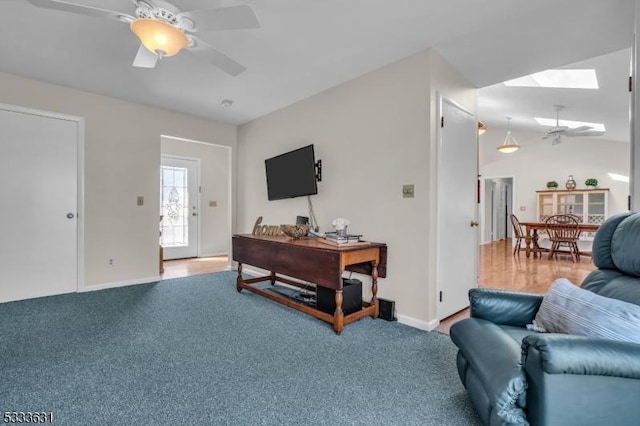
351,297
387,309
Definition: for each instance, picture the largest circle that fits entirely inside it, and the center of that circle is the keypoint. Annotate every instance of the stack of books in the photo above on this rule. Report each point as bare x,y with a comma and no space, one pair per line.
340,240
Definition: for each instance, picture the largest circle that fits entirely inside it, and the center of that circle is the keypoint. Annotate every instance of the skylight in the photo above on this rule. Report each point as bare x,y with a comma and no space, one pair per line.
619,178
551,122
565,79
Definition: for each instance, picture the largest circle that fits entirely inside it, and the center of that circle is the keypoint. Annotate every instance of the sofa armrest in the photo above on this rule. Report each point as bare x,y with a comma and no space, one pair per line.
579,355
504,307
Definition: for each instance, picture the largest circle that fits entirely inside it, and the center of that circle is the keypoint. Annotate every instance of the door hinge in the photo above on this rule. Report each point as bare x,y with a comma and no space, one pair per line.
200,189
630,83
442,121
441,296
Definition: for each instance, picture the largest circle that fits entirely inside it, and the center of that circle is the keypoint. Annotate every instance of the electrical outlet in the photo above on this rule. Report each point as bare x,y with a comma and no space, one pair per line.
140,200
110,262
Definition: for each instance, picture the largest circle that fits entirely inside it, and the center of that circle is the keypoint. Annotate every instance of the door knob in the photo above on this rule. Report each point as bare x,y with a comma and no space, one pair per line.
70,215
194,214
474,223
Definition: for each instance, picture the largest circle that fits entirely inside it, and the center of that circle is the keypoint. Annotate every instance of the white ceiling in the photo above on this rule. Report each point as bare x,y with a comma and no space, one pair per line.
306,46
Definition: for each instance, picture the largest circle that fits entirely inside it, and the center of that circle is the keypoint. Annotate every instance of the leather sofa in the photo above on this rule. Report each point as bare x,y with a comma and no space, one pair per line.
514,375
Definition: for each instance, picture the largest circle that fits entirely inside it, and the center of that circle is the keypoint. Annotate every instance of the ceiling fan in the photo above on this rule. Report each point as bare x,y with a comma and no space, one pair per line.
556,133
164,30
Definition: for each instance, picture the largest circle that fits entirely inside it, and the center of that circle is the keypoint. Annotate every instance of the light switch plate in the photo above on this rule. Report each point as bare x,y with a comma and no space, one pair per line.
407,191
140,200
213,203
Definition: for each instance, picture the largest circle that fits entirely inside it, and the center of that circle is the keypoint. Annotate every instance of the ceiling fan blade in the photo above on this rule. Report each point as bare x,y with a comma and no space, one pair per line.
144,58
557,129
586,133
215,57
224,18
81,9
579,129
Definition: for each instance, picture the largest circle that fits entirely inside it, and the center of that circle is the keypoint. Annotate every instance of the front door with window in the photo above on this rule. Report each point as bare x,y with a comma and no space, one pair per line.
179,207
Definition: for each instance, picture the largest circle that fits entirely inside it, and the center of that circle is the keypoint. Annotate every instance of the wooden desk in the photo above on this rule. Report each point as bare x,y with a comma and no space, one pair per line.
531,234
309,260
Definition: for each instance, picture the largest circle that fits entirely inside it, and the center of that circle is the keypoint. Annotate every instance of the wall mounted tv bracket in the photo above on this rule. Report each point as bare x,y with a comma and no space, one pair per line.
318,167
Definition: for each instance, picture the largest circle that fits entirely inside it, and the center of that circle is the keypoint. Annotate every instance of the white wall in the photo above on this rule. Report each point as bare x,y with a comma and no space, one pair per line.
538,162
373,134
215,168
122,161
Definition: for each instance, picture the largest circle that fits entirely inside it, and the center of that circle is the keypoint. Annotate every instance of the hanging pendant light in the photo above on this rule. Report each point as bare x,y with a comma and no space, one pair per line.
510,143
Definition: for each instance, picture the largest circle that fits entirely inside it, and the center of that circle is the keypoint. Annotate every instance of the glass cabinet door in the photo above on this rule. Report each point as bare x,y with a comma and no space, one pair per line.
545,206
597,207
571,204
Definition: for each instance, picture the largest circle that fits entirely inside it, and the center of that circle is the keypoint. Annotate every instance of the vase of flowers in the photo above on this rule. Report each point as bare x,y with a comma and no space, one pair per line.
340,224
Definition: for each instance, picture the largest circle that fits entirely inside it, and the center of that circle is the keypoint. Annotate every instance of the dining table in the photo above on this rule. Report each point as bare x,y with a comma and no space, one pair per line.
531,235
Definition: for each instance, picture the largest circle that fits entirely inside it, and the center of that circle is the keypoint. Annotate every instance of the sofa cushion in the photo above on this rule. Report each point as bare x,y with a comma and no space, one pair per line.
614,284
625,246
601,249
569,309
494,357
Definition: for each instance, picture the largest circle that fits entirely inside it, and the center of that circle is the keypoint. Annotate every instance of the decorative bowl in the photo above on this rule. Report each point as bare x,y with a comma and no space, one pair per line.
295,231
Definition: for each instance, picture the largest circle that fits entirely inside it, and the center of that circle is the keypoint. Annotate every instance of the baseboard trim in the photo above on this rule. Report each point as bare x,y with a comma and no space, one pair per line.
213,254
416,323
120,284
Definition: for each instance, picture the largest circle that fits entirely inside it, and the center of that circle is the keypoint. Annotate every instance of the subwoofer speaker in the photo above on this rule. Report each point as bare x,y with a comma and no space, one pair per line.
387,309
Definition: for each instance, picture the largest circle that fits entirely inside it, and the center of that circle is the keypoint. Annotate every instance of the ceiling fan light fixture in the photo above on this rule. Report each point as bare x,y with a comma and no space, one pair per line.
510,143
159,37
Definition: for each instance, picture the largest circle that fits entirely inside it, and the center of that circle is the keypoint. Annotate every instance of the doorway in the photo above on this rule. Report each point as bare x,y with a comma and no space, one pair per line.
213,191
497,205
41,239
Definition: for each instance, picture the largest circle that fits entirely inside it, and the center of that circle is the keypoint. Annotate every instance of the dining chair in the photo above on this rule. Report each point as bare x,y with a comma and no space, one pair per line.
518,234
563,230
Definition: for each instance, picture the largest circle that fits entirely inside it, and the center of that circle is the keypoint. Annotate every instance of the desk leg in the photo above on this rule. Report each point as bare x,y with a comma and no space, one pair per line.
272,278
527,242
338,315
374,290
239,278
534,243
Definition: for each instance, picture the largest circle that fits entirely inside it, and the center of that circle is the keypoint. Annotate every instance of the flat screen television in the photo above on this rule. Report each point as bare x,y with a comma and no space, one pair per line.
292,174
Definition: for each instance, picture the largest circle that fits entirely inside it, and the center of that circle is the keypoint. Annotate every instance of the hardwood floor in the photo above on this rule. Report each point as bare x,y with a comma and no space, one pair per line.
500,269
194,266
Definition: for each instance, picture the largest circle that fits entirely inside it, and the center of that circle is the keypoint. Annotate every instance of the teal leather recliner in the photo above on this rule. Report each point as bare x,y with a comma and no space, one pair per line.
514,375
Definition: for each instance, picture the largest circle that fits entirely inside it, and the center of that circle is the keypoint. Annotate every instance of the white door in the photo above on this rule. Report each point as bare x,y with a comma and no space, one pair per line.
39,178
179,203
457,246
501,213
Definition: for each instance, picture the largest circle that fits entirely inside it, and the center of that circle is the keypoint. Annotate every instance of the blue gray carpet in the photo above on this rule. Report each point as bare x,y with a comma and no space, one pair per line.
194,351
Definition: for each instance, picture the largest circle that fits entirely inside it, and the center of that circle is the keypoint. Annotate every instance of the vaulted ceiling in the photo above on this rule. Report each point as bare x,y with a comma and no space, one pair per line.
306,46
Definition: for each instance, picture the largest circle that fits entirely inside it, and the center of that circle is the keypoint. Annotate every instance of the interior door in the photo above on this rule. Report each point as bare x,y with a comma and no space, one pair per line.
501,214
457,252
39,175
179,206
